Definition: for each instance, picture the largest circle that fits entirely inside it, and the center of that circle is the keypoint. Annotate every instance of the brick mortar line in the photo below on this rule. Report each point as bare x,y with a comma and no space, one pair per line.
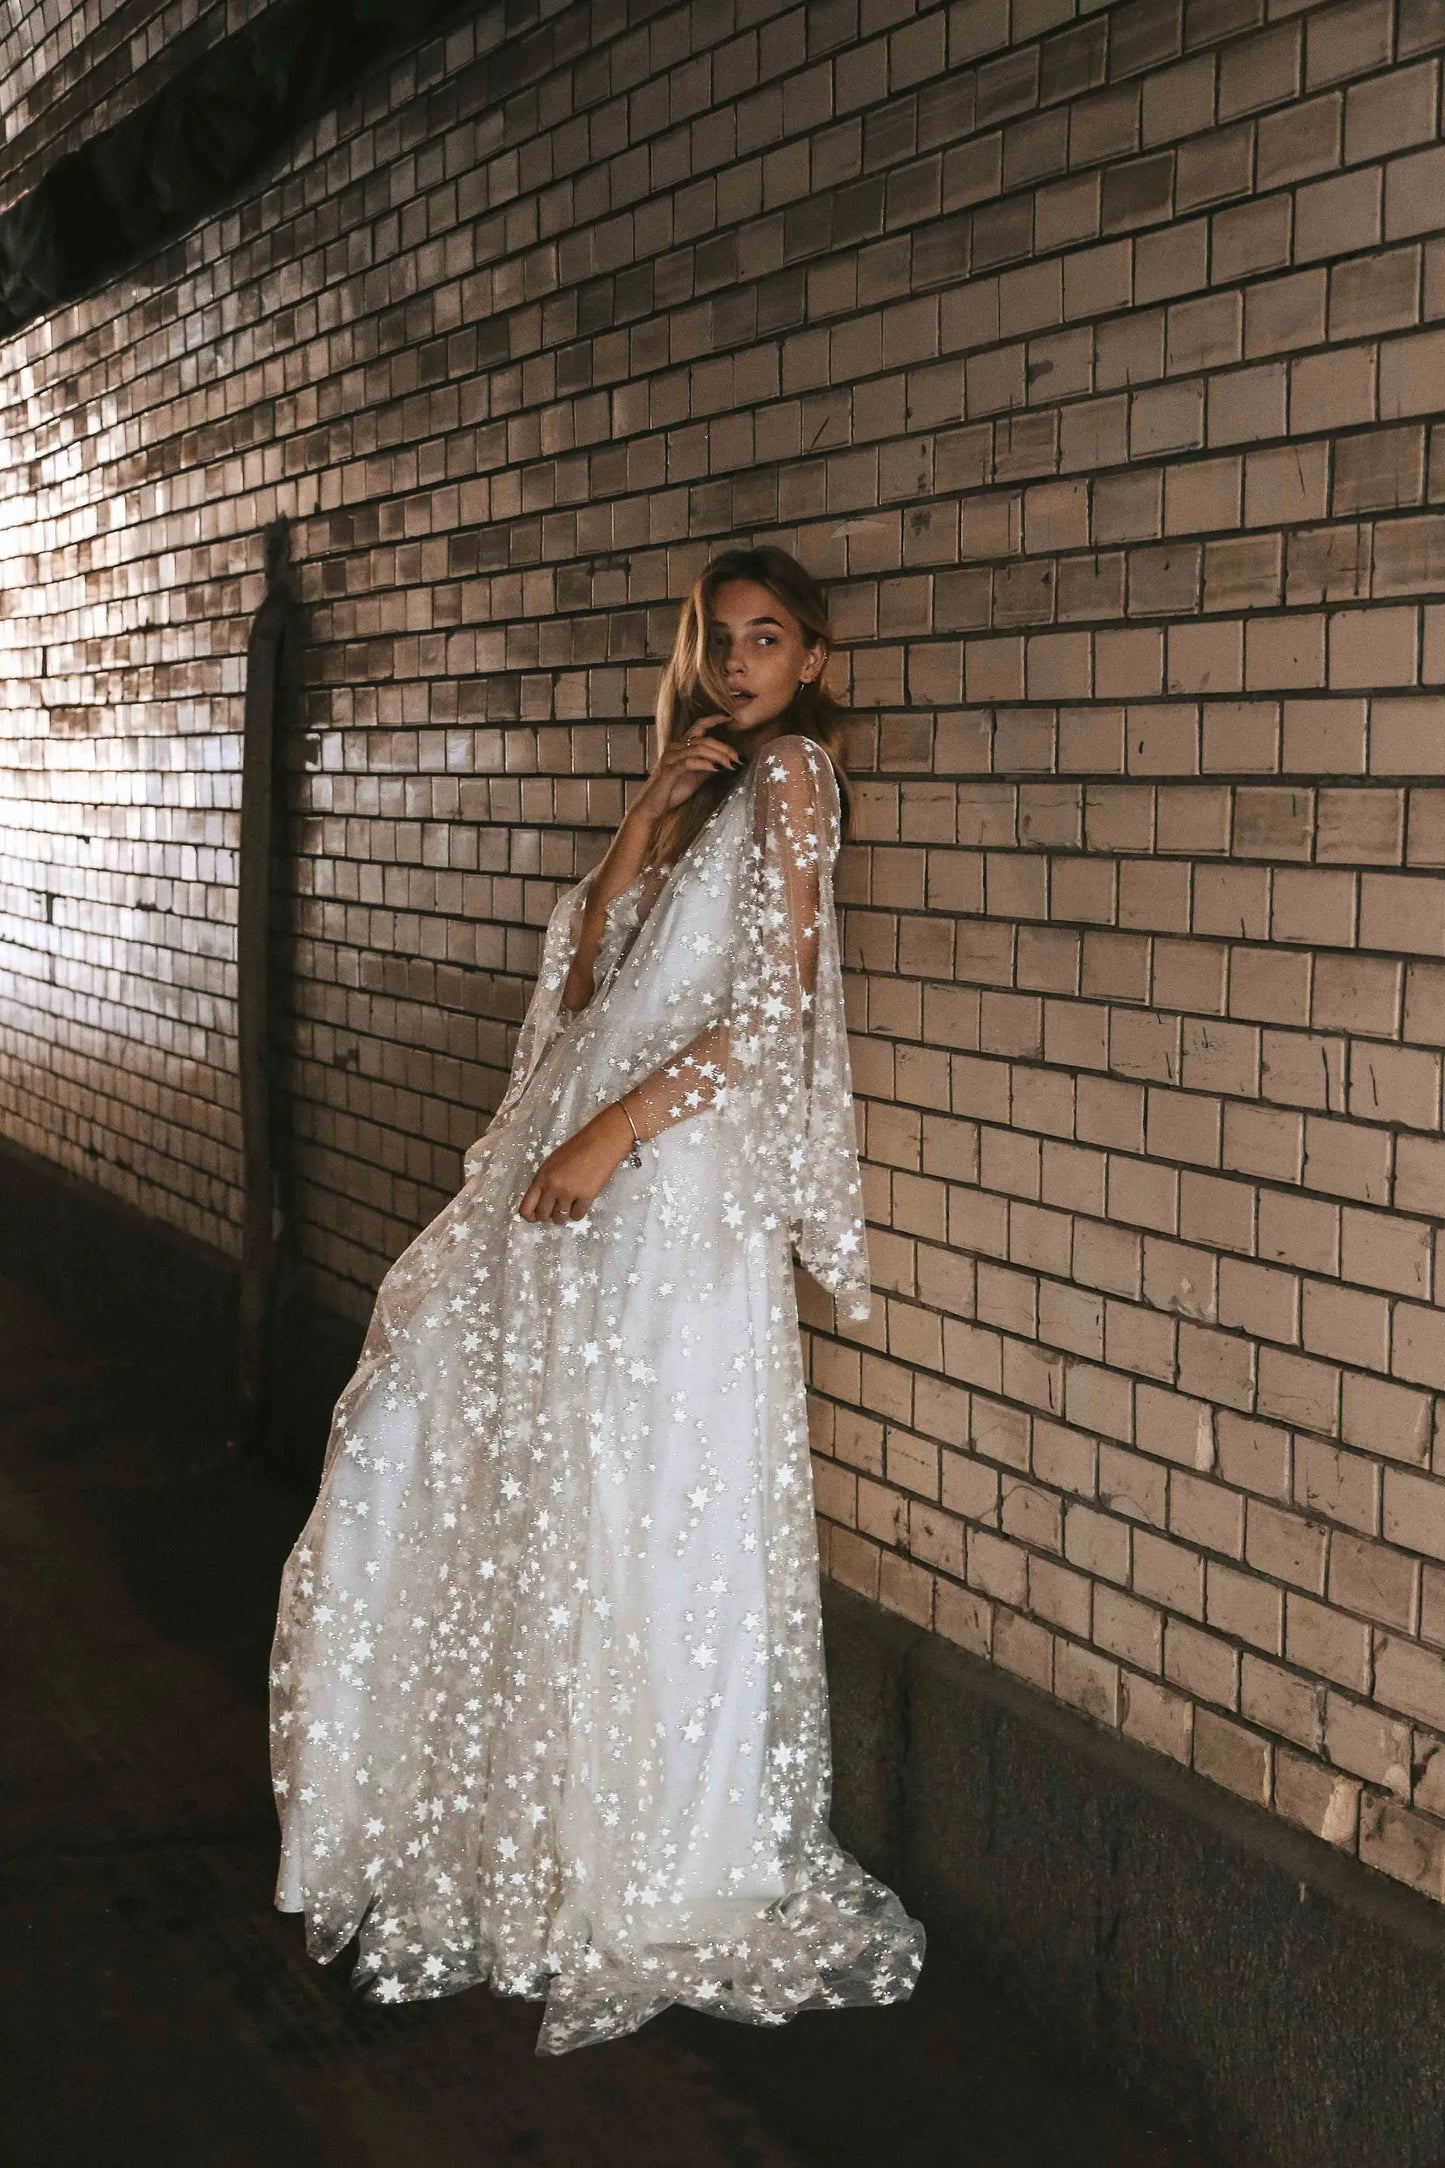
1426,509
15,1039
1356,1697
94,1102
1109,161
1282,1027
85,1161
1192,1695
746,346
1199,1622
1362,521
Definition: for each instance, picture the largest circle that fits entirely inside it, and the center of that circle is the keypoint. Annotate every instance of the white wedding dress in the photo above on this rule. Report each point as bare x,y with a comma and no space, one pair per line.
548,1701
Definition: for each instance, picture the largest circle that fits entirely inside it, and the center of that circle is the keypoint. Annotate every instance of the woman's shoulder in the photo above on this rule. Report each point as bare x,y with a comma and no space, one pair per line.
793,746
794,757
796,777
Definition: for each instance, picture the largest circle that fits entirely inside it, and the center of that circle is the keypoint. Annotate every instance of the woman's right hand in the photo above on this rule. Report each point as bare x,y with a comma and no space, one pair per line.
683,766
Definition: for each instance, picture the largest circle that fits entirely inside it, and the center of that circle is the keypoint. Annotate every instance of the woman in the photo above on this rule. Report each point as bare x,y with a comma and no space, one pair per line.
548,1697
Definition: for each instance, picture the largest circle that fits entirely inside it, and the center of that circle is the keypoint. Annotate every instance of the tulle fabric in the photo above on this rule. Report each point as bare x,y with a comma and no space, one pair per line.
548,1701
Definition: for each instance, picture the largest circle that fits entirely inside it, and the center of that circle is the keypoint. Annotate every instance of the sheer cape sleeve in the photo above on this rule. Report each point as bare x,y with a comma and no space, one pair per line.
775,1067
547,1013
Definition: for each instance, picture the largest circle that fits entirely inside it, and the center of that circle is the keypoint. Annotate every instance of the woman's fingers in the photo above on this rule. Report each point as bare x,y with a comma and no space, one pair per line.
706,753
546,1201
538,1197
560,1190
699,749
700,733
564,1205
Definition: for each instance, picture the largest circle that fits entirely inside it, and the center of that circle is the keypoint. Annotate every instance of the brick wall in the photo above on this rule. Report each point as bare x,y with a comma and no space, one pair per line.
1092,360
69,68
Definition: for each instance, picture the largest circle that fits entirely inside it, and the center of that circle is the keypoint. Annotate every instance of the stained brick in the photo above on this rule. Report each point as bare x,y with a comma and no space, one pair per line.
1410,374
1335,216
1215,166
1247,404
1389,112
1348,39
1381,470
1299,140
1285,312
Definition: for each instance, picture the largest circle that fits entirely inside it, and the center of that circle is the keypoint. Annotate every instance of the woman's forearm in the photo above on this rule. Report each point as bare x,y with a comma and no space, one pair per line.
617,870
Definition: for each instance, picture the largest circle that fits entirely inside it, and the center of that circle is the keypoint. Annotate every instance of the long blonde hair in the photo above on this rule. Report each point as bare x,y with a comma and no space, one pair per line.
691,686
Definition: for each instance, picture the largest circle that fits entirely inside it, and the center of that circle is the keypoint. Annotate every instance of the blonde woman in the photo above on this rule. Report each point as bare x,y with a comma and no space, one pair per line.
548,1701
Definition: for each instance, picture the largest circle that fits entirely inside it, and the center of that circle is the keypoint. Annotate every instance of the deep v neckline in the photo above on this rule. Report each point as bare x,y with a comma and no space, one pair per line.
683,856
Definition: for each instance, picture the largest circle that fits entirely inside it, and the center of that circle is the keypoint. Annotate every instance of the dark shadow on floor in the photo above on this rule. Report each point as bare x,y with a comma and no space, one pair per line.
158,2010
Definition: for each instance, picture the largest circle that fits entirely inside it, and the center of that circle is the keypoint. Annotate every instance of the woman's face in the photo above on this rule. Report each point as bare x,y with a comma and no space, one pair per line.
760,652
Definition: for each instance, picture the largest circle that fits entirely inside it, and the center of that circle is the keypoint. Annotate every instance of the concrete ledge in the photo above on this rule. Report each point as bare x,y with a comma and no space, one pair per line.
1279,2001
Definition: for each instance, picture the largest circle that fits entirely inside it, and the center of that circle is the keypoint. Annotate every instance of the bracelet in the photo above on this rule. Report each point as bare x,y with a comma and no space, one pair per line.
634,1157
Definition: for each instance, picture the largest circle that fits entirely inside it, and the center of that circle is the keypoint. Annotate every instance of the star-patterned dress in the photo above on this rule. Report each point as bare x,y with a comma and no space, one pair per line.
547,1692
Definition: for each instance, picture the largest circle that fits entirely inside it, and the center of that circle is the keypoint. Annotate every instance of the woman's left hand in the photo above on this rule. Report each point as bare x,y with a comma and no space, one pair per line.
569,1180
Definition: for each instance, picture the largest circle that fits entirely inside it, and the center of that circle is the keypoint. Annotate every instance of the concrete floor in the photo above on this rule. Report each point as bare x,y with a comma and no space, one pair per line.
157,2010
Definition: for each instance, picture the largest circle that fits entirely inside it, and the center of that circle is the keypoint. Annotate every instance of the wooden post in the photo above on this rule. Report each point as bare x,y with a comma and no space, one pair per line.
271,654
